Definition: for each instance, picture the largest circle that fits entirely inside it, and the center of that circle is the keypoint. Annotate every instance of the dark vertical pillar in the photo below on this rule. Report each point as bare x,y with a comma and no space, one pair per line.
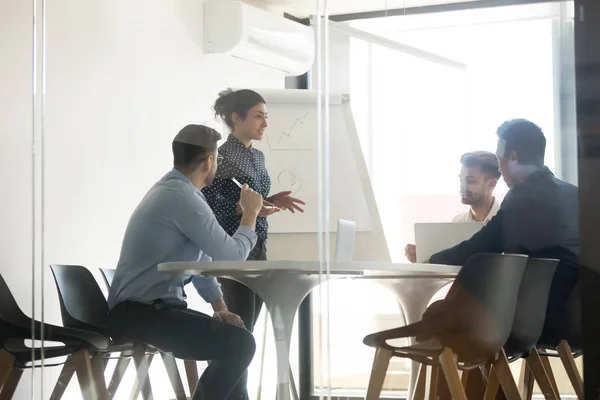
587,58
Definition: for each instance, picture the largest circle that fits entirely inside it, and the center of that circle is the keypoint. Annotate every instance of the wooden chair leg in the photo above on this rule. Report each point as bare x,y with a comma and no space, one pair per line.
7,361
566,356
433,381
419,392
521,383
136,389
98,366
548,368
493,384
528,381
191,372
448,364
66,374
464,379
117,376
141,366
174,377
540,373
504,375
11,383
85,376
380,366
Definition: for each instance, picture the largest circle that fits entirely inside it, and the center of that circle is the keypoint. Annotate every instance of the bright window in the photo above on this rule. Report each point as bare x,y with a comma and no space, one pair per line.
415,118
420,116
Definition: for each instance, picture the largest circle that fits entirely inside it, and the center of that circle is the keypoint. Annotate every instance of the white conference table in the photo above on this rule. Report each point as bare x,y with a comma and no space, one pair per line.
283,285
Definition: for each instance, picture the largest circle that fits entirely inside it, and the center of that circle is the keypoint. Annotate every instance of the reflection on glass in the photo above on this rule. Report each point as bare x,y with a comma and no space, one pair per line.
122,80
416,118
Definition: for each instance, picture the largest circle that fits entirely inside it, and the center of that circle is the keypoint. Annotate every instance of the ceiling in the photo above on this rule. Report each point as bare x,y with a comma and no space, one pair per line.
305,8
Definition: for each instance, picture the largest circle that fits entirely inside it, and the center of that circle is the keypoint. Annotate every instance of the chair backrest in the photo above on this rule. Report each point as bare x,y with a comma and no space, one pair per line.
82,303
531,306
10,312
15,325
344,244
482,304
108,274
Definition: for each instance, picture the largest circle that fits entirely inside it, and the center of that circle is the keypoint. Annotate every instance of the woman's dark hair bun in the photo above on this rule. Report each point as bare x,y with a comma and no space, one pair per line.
223,105
225,92
239,102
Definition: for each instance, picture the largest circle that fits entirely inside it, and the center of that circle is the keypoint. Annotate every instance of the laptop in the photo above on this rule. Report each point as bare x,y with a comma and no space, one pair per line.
344,243
431,238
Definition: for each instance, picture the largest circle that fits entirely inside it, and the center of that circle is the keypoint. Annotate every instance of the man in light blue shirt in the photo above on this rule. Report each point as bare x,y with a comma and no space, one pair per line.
173,222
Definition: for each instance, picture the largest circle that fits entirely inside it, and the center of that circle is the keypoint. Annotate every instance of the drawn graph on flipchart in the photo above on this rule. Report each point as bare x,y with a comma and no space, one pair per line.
290,134
290,180
291,149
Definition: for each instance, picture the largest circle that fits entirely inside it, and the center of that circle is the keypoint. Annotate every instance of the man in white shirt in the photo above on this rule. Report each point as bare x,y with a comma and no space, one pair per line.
479,176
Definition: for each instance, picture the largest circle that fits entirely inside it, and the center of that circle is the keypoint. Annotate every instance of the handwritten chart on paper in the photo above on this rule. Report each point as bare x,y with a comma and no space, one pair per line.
289,134
290,145
290,180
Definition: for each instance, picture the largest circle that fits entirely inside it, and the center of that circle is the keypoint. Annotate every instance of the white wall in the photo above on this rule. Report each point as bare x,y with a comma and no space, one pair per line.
15,145
122,79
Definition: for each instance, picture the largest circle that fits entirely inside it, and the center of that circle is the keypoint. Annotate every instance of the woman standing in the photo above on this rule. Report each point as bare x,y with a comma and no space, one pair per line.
245,113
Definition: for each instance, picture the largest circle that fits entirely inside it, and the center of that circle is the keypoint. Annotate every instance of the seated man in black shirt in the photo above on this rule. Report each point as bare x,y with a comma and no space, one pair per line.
538,217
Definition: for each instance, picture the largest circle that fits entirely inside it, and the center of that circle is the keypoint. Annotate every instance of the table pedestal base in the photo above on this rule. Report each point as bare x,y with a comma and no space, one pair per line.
282,296
413,295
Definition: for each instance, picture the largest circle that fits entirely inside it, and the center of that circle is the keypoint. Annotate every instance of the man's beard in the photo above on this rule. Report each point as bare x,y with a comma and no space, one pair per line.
210,178
470,198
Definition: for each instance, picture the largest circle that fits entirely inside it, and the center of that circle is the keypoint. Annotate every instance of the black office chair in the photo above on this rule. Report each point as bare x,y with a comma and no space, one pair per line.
108,274
78,345
83,306
528,326
191,368
474,324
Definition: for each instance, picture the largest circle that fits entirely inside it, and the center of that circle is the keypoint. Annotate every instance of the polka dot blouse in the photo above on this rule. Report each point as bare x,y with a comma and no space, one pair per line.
247,165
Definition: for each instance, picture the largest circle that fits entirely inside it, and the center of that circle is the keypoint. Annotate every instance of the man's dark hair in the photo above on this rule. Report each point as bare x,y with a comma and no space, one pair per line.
524,138
486,161
192,145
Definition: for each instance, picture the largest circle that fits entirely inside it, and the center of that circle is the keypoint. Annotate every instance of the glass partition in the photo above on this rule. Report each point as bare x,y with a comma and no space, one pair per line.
21,124
428,86
353,115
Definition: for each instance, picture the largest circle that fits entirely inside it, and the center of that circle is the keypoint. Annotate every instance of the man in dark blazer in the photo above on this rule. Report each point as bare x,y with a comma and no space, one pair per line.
539,217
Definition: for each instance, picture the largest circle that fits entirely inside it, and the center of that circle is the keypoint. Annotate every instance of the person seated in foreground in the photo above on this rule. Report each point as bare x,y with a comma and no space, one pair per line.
538,217
172,223
479,176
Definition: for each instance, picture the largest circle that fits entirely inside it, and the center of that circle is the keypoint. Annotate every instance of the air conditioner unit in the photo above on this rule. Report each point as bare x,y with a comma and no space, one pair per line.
240,30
